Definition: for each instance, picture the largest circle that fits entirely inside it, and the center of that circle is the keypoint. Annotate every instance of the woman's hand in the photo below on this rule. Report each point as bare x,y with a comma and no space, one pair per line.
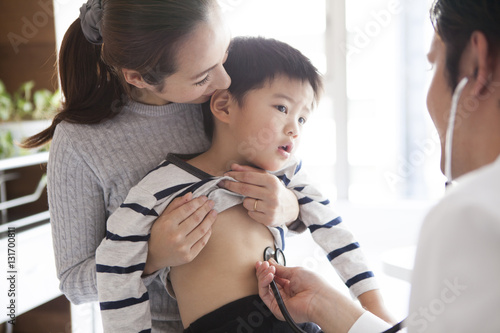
180,233
267,200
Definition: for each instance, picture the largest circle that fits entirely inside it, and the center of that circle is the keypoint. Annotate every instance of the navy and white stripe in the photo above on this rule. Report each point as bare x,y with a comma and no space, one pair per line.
328,231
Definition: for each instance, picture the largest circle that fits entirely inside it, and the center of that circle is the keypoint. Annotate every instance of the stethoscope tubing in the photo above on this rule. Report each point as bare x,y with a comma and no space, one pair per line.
279,256
450,130
284,310
396,328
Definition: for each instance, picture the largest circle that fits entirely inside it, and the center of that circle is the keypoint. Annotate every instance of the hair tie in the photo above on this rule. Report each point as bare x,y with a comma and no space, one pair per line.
90,18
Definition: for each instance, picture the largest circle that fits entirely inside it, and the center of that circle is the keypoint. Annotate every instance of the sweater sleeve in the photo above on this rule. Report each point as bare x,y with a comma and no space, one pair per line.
77,214
328,231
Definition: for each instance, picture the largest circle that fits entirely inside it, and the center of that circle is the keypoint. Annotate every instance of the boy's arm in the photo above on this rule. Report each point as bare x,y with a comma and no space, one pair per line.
328,231
372,301
120,261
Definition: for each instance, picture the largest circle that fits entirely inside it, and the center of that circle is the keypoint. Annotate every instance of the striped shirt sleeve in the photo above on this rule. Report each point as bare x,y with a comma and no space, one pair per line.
120,261
328,231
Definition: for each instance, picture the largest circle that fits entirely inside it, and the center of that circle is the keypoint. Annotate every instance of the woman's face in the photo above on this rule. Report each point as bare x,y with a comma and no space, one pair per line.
200,70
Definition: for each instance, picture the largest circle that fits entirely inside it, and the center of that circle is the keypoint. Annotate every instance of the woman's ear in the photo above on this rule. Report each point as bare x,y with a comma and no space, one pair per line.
220,104
134,78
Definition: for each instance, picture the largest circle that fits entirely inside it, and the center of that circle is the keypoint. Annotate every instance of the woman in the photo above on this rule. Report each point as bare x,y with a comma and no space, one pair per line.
133,73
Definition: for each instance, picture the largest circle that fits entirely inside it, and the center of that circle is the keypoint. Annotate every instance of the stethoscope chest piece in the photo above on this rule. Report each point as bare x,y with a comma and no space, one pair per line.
277,255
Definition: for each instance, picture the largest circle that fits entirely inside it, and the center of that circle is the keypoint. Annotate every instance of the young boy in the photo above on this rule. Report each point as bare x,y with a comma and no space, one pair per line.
257,121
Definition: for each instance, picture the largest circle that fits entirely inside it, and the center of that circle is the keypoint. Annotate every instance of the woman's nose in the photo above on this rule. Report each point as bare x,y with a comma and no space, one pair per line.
222,79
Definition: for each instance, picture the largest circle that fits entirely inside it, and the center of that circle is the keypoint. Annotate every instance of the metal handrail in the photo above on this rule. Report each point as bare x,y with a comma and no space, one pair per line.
27,198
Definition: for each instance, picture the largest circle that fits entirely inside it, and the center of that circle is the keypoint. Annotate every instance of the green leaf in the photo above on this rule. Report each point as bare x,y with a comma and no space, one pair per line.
6,145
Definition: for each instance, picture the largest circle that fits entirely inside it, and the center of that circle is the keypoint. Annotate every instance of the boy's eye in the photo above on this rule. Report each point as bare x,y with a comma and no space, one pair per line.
281,108
302,120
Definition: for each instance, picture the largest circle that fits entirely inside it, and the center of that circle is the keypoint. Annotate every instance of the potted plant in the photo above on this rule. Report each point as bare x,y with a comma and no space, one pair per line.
22,114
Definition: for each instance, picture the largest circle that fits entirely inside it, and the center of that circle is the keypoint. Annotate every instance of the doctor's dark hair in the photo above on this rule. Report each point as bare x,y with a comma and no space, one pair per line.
254,61
140,35
456,20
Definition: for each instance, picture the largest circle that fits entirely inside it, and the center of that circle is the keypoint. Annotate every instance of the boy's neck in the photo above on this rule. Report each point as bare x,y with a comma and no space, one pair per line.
217,159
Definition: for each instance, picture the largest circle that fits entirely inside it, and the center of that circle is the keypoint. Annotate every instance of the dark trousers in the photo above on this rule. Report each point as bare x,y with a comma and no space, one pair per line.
246,315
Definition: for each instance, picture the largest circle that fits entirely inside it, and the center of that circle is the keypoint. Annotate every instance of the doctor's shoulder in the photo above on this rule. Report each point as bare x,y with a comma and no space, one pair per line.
472,201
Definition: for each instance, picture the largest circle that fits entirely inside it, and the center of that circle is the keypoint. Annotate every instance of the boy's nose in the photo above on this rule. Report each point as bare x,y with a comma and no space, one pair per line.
292,130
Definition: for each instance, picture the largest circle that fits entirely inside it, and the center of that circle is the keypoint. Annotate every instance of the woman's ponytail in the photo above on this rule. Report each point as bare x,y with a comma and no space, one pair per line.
140,35
91,92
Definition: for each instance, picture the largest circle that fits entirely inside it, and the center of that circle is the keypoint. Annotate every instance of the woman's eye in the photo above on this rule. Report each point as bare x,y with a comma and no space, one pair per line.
202,82
302,120
281,108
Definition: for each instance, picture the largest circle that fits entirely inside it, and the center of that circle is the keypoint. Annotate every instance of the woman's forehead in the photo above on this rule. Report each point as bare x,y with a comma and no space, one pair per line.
204,48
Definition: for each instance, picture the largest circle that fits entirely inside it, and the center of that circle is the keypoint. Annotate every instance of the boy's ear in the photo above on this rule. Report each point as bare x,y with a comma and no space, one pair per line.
220,104
133,77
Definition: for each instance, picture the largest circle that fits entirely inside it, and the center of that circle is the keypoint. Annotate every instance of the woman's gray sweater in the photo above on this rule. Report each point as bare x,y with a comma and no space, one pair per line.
90,171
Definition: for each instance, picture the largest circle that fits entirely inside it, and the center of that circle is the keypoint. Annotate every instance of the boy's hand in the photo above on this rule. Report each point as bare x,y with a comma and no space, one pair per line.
267,200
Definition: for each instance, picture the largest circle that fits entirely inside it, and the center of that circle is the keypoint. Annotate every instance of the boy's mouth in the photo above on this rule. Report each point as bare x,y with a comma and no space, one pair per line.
286,148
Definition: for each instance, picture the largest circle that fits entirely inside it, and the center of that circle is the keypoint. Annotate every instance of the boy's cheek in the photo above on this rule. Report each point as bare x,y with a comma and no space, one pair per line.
275,123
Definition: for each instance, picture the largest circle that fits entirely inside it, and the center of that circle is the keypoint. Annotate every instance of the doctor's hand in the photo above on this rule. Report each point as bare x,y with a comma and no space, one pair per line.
180,233
267,200
307,296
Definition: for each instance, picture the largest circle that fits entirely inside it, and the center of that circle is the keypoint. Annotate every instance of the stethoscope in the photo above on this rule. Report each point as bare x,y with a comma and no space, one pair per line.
279,257
451,128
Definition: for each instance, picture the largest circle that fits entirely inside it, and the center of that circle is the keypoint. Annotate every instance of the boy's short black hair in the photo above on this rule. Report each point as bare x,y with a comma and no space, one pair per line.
254,61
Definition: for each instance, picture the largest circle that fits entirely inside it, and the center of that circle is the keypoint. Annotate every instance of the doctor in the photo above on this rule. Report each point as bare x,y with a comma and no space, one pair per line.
456,281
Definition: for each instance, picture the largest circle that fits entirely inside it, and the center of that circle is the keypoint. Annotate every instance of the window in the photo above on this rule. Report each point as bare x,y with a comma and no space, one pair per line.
371,139
370,146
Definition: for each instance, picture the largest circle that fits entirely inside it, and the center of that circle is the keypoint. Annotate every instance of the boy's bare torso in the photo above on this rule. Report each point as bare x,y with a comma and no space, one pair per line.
224,270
